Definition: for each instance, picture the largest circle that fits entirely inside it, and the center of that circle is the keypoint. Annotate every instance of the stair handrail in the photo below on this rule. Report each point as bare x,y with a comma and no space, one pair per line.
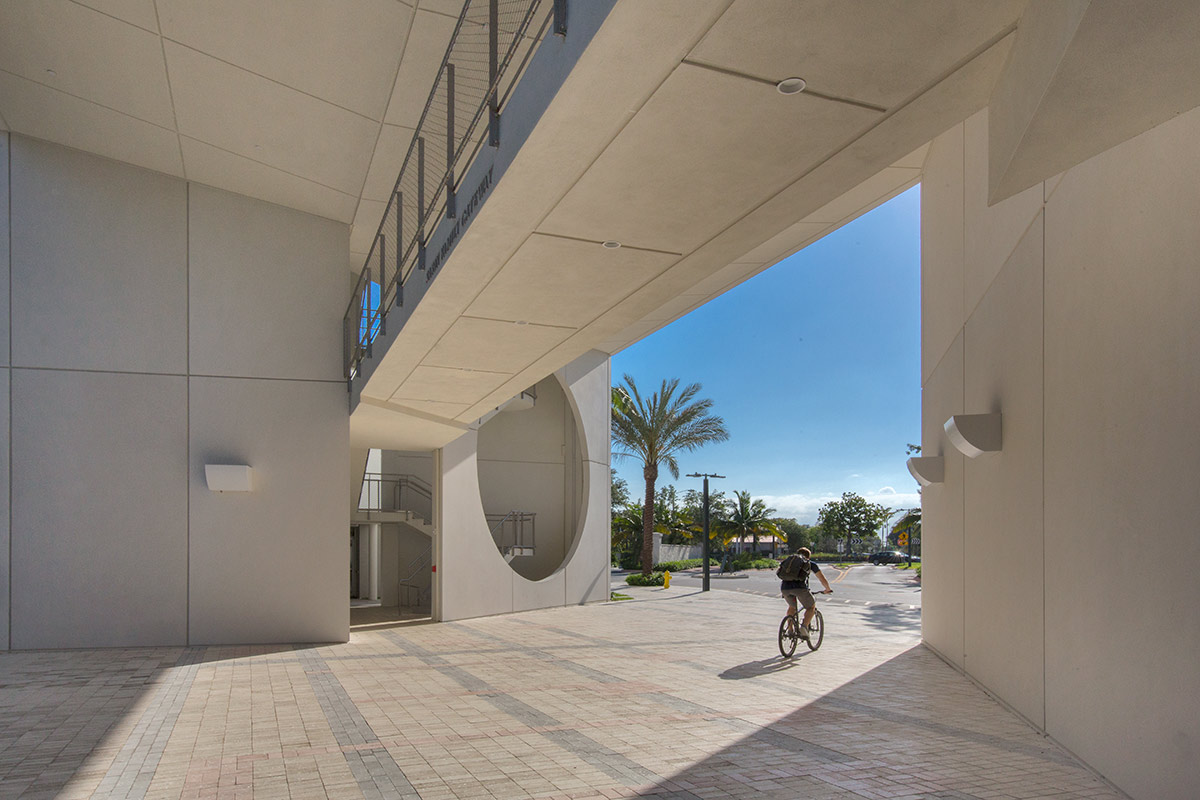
417,564
519,519
401,481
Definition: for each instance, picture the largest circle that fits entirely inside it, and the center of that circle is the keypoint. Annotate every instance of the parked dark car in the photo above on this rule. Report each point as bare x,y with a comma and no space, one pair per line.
892,557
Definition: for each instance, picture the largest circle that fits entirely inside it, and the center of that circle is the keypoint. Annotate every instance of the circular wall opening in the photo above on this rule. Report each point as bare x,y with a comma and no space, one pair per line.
531,479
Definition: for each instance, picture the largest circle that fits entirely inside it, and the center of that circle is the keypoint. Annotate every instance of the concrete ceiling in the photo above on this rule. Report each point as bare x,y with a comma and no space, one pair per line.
305,103
681,149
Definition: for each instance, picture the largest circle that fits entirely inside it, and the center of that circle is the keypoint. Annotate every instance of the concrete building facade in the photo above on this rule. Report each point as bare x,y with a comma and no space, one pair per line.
186,184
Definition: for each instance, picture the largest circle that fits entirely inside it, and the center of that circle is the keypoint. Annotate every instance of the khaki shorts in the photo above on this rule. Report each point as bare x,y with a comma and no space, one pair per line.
803,596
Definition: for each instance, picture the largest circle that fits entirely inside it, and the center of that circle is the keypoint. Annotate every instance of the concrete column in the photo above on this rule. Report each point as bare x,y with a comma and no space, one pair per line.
376,529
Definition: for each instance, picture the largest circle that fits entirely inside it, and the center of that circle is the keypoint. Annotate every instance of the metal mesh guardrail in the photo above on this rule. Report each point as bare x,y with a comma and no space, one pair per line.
491,44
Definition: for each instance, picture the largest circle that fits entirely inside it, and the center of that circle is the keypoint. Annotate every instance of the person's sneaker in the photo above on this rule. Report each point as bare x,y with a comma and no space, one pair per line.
804,632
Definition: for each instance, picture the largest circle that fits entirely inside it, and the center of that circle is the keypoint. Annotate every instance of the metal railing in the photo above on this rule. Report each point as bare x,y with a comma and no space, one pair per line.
513,530
488,51
391,492
409,593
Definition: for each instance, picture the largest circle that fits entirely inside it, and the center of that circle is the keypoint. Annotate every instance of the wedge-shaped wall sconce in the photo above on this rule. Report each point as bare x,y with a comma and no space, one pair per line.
974,434
228,477
927,469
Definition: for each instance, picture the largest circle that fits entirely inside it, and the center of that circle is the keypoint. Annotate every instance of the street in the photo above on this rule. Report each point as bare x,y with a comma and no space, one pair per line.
861,585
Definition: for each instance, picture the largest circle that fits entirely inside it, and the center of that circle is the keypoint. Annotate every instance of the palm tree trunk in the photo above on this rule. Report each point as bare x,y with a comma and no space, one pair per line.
650,473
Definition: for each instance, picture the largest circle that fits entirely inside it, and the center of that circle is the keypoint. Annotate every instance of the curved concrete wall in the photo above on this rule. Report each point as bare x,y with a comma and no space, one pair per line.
473,578
1059,572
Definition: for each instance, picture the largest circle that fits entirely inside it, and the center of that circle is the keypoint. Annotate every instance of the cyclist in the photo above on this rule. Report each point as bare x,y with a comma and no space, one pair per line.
796,589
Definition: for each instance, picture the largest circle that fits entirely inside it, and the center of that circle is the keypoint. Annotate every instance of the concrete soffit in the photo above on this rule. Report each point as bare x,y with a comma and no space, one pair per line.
1083,77
670,138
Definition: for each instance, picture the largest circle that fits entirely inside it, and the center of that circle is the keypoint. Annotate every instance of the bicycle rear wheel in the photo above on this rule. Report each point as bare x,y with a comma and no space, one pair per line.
816,631
789,632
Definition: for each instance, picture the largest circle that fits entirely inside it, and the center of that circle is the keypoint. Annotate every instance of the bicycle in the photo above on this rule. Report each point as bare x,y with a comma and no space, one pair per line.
789,631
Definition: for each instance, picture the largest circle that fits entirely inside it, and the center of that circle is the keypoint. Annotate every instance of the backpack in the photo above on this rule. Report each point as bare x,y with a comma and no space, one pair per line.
793,568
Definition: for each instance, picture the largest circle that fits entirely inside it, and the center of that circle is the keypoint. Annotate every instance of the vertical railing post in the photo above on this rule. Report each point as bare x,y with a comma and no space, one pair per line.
398,199
450,209
493,72
366,302
421,203
382,310
560,17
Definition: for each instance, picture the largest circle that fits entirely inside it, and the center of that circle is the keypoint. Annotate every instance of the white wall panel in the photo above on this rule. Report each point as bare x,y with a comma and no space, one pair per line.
267,289
270,565
1003,491
941,248
99,264
474,580
942,569
588,380
5,563
990,232
1100,442
4,251
99,509
1122,459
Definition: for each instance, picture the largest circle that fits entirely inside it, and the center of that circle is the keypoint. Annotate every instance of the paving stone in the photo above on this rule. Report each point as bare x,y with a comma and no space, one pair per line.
674,694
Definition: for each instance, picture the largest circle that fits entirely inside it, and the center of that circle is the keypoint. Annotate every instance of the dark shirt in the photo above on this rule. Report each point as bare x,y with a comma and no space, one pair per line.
803,582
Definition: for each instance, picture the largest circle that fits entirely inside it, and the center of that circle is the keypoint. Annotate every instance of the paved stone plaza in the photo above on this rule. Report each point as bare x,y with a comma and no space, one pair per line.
675,694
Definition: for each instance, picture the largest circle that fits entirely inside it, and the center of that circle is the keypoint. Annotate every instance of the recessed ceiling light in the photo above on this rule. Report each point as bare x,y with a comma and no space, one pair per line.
791,86
522,322
51,72
610,244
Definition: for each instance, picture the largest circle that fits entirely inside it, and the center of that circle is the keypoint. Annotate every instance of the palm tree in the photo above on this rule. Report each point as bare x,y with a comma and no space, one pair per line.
655,430
746,517
626,524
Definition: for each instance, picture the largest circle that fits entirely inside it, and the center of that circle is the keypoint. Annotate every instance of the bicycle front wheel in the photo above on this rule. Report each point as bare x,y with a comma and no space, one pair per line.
788,634
816,631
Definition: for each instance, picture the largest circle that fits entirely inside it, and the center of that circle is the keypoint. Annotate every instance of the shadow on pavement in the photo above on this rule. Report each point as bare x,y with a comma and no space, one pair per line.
911,727
756,669
890,618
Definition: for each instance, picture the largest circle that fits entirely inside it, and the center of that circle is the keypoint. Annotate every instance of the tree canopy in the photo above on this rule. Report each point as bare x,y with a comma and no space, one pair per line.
745,517
654,430
851,517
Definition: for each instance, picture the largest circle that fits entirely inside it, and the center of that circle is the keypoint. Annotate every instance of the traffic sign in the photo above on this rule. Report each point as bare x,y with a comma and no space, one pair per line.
902,539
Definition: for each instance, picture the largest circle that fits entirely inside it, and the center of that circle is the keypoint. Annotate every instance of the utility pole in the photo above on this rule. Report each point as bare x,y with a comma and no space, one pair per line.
706,476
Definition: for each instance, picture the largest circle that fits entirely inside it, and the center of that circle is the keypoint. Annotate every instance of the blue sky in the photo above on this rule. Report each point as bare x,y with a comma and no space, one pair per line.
814,365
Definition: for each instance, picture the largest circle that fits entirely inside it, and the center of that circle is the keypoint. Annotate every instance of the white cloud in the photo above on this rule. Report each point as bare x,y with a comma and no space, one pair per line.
804,507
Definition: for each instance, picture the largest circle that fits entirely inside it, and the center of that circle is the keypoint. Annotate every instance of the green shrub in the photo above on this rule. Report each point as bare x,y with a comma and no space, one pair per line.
679,566
630,560
638,579
751,561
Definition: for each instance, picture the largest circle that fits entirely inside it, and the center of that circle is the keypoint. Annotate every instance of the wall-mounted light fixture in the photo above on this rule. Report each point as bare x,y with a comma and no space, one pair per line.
975,434
927,469
228,477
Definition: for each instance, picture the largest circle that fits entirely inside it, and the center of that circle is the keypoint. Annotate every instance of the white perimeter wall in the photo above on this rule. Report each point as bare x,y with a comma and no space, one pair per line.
1061,572
155,326
473,578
